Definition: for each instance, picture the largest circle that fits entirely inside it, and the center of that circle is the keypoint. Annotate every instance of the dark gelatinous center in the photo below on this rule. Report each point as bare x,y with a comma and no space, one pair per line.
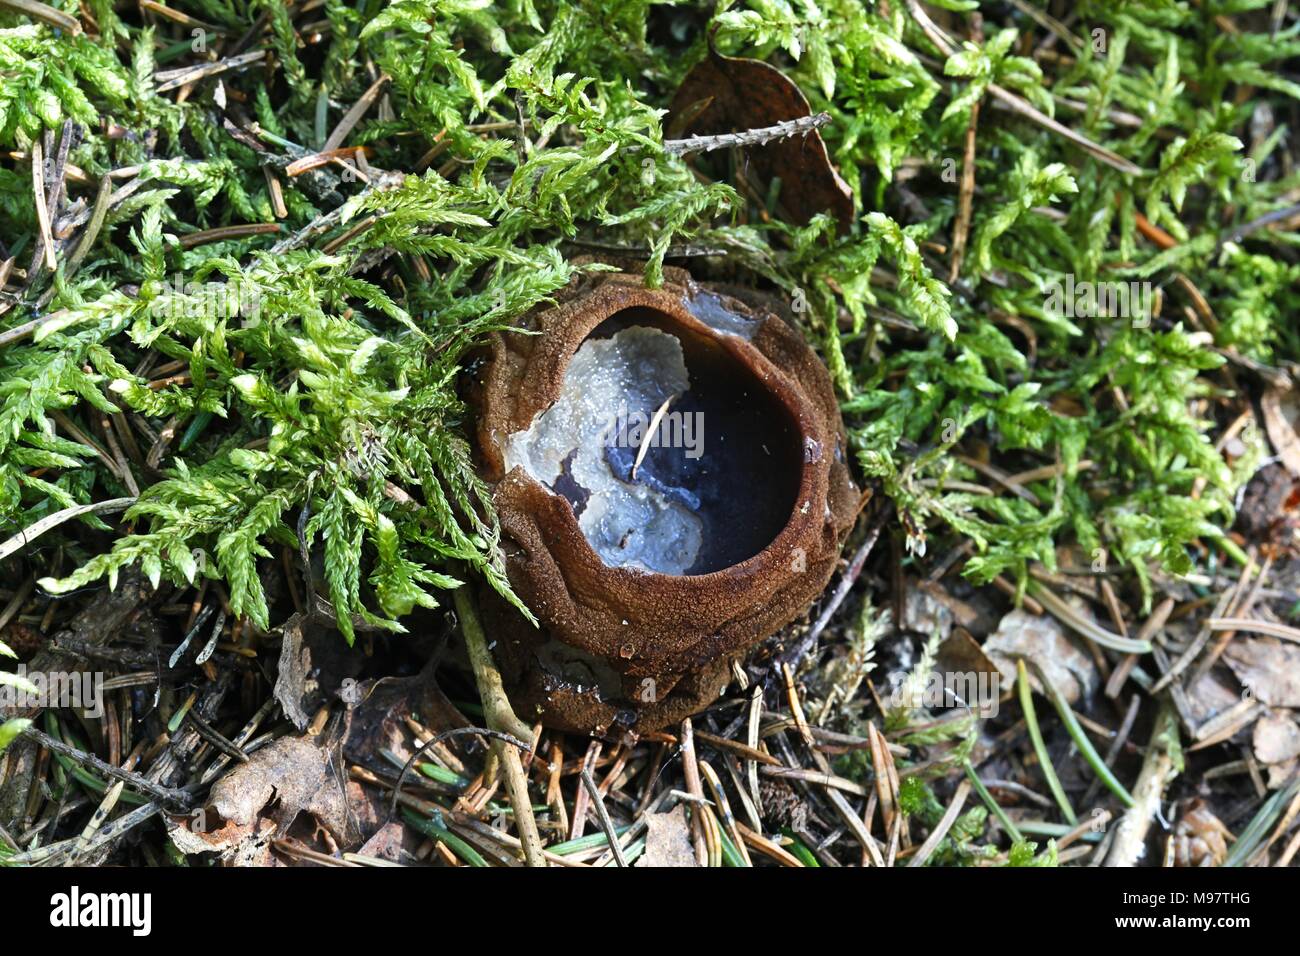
727,450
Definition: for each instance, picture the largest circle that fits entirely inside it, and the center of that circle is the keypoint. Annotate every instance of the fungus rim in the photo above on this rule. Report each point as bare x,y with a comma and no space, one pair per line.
552,357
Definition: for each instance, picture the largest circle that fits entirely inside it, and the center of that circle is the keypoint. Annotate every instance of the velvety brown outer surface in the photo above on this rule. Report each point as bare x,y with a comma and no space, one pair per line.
668,640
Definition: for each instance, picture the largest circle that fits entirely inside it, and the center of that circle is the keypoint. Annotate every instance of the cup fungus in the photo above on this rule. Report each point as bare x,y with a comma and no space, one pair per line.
668,469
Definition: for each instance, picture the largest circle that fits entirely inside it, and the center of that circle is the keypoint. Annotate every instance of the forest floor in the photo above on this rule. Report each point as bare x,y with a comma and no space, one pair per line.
1046,250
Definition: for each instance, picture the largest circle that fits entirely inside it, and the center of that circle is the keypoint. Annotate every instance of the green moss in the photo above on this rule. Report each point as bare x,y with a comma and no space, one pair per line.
342,386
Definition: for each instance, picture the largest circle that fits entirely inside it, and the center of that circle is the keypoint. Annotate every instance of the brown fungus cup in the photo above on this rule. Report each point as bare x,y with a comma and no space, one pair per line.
669,472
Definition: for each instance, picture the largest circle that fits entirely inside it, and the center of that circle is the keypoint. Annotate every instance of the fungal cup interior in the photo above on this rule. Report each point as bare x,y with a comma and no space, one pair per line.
675,457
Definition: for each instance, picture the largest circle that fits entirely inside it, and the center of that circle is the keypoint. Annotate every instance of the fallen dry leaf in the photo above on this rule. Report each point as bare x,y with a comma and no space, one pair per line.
315,661
1211,696
961,652
668,840
389,842
1277,738
1281,414
1042,640
724,94
237,845
376,718
299,776
1199,838
1269,667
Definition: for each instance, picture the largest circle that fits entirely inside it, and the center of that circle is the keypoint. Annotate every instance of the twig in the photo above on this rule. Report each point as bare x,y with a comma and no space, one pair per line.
34,531
20,332
749,137
44,13
111,796
172,79
214,737
1226,605
517,790
966,187
1159,768
1152,625
237,231
353,116
691,770
330,219
496,706
166,795
500,717
110,832
602,815
312,161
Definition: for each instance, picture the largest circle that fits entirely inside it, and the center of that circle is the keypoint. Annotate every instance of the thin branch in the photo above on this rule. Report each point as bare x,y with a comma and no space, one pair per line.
34,531
332,218
602,815
46,14
353,116
166,795
750,137
173,79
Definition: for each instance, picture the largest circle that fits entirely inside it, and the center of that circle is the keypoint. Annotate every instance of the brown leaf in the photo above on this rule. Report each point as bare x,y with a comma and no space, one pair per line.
1043,641
961,654
314,662
1211,696
298,775
235,844
668,840
1281,413
1269,667
1277,738
740,94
